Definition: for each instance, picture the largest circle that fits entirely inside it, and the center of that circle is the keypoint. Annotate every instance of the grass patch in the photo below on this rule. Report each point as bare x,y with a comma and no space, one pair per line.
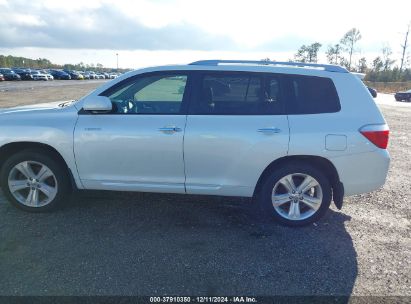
389,87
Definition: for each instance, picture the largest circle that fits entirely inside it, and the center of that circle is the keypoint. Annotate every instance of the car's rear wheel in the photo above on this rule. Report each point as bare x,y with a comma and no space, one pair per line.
295,195
34,181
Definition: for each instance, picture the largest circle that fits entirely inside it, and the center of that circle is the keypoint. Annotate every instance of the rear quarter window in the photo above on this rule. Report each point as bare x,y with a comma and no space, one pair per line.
312,95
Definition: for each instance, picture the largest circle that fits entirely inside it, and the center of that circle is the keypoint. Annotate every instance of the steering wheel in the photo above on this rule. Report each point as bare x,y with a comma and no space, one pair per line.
126,106
134,106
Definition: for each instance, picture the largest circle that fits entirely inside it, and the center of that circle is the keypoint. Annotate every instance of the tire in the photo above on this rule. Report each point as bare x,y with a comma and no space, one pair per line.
277,201
41,182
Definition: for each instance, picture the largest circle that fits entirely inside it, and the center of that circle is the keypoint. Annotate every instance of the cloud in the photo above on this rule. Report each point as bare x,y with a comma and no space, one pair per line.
206,25
97,26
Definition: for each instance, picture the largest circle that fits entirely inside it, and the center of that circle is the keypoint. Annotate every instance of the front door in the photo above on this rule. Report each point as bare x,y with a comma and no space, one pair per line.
139,145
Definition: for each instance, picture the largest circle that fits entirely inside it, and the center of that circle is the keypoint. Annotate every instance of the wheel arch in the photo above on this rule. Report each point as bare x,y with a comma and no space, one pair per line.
319,162
14,147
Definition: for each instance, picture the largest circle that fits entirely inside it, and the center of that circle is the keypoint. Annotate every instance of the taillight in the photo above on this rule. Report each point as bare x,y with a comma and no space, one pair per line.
377,134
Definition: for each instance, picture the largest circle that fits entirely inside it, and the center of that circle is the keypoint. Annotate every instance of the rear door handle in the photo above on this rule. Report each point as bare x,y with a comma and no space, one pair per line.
269,130
171,129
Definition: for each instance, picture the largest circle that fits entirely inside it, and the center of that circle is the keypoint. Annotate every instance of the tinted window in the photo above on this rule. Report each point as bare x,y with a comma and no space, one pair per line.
312,95
235,94
154,94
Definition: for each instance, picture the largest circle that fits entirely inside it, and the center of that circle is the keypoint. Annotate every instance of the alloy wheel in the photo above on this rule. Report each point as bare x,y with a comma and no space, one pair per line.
32,184
297,196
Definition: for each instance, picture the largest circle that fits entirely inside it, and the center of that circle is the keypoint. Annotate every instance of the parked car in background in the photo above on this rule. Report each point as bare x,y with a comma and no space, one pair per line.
59,74
1,77
294,136
88,75
85,75
25,74
100,76
9,74
74,74
373,92
92,75
47,73
113,75
403,96
37,75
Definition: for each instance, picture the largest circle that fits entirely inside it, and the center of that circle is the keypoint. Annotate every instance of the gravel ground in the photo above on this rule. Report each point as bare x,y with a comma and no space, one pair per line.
107,243
15,93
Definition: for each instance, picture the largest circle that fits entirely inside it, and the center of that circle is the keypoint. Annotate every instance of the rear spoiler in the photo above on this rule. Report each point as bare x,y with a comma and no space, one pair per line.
359,75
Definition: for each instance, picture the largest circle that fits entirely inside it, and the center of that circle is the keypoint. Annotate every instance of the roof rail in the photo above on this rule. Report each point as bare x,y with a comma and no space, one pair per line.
326,67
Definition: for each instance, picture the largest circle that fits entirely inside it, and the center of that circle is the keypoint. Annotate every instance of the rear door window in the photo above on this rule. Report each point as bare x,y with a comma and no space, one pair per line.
236,94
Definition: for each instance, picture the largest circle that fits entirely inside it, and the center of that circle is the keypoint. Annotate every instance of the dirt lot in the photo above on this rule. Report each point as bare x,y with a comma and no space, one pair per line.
29,92
107,243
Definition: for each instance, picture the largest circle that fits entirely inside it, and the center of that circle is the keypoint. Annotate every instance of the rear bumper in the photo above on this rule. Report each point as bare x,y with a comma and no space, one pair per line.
364,172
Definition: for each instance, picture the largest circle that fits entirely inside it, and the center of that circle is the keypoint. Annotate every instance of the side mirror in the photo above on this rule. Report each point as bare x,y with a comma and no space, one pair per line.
98,104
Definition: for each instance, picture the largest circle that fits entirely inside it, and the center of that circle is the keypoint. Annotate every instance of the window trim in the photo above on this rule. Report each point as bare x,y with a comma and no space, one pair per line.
129,80
197,82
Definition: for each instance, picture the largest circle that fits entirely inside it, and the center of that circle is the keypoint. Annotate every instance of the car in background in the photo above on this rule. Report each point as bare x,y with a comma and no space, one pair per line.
100,76
9,74
88,75
84,74
113,75
1,77
403,96
372,91
37,75
25,74
59,74
49,76
74,74
79,75
92,74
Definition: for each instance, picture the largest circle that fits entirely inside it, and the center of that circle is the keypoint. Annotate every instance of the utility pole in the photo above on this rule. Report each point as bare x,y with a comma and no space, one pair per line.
404,47
117,61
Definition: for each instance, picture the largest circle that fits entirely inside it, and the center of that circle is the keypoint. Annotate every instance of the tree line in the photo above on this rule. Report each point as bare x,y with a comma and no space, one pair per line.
384,67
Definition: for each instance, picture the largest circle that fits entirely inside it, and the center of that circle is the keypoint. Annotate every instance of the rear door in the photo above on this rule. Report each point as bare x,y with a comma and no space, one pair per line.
235,128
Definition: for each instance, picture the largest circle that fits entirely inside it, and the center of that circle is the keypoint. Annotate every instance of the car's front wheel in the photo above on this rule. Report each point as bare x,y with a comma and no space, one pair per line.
295,195
34,181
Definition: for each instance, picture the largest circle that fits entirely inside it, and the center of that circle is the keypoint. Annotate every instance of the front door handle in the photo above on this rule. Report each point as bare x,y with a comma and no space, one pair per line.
170,129
272,130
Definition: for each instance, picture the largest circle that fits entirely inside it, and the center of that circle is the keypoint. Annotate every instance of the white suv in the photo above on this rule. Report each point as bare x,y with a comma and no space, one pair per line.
292,135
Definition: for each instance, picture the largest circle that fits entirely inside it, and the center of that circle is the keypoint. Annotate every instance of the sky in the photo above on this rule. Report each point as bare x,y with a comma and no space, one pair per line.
155,32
